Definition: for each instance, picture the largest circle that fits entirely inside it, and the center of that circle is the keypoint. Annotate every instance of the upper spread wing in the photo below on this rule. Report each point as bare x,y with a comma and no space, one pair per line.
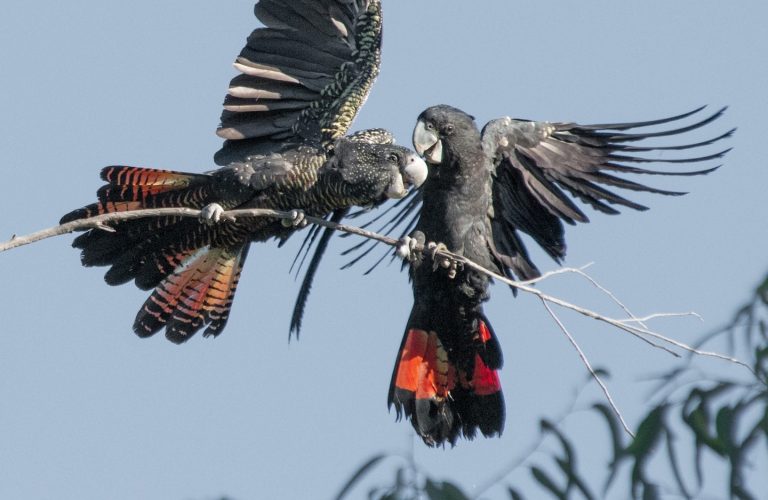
304,75
541,167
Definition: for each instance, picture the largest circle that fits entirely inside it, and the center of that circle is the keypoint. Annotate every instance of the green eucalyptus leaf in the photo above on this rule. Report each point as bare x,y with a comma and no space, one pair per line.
647,434
546,482
452,492
617,439
443,491
359,474
724,427
762,291
514,494
547,426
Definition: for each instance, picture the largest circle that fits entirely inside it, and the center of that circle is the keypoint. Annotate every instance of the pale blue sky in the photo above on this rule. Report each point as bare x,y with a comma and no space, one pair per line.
88,410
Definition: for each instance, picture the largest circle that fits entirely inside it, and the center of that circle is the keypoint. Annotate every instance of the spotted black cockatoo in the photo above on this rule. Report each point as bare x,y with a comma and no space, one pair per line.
304,76
482,189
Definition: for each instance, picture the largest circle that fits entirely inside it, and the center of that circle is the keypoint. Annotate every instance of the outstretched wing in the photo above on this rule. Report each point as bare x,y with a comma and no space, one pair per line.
541,166
304,75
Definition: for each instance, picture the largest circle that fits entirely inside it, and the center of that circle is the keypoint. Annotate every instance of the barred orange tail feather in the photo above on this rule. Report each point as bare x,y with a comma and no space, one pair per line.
134,188
157,253
198,293
446,393
149,249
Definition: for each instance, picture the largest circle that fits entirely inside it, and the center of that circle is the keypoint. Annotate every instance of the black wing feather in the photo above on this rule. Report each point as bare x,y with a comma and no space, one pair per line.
303,75
309,276
538,162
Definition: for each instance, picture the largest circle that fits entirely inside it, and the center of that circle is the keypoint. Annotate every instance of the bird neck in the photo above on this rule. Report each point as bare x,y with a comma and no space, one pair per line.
464,168
456,198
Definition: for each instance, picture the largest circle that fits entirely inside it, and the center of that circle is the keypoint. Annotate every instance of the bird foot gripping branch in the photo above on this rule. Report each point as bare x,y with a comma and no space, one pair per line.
411,249
211,213
442,262
298,220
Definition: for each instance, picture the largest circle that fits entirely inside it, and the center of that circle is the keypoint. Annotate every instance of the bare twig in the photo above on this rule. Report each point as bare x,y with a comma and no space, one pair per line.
662,315
102,222
620,324
635,331
610,294
589,368
562,270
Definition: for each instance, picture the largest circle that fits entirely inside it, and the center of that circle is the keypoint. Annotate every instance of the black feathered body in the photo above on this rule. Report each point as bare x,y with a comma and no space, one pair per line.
453,388
456,199
518,176
191,264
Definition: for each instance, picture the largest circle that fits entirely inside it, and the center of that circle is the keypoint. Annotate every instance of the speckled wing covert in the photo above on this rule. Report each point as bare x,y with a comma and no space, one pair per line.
304,75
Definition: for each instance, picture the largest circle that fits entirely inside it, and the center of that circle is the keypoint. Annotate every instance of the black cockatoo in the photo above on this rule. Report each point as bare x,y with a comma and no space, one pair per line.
304,76
482,189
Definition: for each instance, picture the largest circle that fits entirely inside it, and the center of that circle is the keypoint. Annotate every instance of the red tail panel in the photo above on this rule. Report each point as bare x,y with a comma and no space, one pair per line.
193,268
144,185
445,393
483,333
485,381
423,368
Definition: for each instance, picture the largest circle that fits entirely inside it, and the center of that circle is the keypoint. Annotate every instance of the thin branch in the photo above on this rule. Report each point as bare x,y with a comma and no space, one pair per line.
102,222
591,370
635,331
620,324
662,315
609,294
580,271
562,270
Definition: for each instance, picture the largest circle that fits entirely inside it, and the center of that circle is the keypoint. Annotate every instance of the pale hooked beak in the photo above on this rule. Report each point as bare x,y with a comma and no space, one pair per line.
396,188
427,143
413,172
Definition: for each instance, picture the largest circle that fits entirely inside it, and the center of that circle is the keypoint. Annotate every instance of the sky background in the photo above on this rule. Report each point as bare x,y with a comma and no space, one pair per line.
89,410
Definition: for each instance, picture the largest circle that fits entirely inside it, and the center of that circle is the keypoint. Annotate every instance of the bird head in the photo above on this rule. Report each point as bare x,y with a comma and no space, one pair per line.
439,128
374,171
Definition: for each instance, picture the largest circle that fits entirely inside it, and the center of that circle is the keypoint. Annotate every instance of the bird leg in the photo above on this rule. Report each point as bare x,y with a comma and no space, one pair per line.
297,220
211,214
